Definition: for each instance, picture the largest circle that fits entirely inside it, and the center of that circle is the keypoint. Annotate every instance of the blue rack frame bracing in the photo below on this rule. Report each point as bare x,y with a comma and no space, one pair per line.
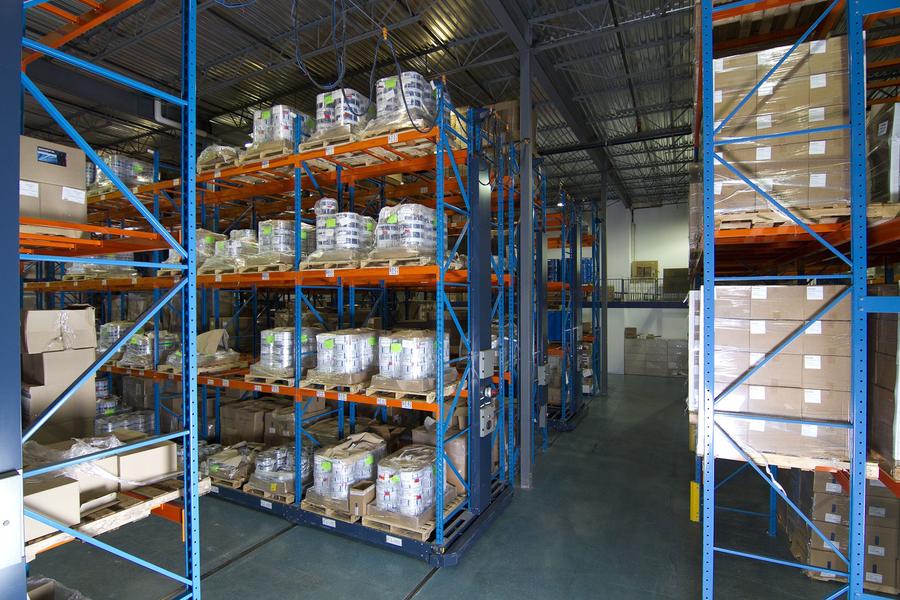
184,292
856,264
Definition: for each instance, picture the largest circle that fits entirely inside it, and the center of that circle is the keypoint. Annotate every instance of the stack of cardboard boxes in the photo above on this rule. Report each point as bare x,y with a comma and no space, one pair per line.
809,379
824,500
884,420
656,356
245,421
57,347
51,185
807,91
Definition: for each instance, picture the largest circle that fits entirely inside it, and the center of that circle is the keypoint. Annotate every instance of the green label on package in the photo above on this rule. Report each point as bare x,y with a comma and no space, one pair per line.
326,466
373,340
392,219
267,114
270,339
395,479
331,223
138,169
210,239
329,344
267,230
370,226
390,84
369,459
304,338
328,99
396,347
303,235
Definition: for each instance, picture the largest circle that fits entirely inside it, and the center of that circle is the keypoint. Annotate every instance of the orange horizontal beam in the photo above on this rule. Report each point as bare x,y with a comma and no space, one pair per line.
58,12
127,233
747,9
874,85
875,17
883,42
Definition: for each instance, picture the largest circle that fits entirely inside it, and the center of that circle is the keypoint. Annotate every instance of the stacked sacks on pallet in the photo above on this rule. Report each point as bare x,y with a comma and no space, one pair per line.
407,101
406,481
276,352
341,237
274,469
405,231
336,468
340,112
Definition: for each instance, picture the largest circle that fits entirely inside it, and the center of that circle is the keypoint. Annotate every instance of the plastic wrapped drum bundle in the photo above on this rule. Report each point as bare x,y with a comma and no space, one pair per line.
336,468
242,234
277,236
274,470
410,226
326,206
110,333
206,243
406,481
346,351
276,124
139,350
410,354
341,107
390,94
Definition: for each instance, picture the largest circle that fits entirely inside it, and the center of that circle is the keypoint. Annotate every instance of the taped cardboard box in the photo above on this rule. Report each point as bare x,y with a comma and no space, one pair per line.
455,451
82,405
53,497
61,367
148,464
55,330
360,495
96,479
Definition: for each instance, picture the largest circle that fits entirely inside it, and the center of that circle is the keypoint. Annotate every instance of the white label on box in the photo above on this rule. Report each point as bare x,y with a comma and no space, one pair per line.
812,396
874,577
817,46
817,180
815,328
393,138
393,270
73,195
265,164
758,327
103,282
217,173
755,357
214,489
320,393
834,488
225,383
210,382
764,153
766,89
877,511
817,114
817,81
763,121
265,276
717,96
757,425
812,361
815,292
758,292
817,147
832,518
329,150
381,401
265,504
328,522
757,392
882,128
407,404
329,272
718,65
218,278
275,389
835,543
809,431
717,188
176,182
876,550
342,396
394,541
29,188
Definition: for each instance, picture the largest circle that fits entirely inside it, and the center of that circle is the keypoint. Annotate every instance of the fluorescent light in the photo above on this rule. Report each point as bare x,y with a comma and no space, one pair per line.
559,203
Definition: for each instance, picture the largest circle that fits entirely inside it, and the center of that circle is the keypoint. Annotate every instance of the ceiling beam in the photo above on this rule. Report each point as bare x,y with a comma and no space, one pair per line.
618,141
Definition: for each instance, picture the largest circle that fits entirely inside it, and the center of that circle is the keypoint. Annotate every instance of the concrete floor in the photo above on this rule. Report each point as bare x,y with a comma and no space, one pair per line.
608,519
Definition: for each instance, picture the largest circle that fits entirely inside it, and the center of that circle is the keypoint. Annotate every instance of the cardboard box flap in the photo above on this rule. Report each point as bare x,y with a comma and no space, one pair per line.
210,341
55,330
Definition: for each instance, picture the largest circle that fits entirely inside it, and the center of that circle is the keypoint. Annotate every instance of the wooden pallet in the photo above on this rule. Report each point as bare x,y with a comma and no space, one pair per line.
340,135
887,465
814,216
250,378
234,484
216,271
394,394
128,507
331,513
406,261
230,366
169,272
329,264
352,388
218,165
266,494
266,152
79,277
270,268
403,527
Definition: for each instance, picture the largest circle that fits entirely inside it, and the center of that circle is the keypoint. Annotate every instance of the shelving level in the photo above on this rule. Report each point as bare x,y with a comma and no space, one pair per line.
802,251
463,169
44,245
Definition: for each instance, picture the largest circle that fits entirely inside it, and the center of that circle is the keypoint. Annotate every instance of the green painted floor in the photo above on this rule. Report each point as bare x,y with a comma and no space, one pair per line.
608,518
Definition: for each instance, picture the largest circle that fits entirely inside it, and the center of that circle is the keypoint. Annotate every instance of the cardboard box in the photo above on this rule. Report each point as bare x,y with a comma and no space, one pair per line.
830,508
735,72
53,497
732,334
47,162
828,405
54,330
817,296
826,443
732,301
777,302
97,478
630,333
782,94
56,367
360,495
827,56
782,370
883,512
645,269
391,434
829,338
55,202
779,401
766,335
81,406
826,372
826,483
147,464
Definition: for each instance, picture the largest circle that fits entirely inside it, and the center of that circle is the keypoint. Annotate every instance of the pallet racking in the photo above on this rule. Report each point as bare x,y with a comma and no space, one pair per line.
48,251
726,259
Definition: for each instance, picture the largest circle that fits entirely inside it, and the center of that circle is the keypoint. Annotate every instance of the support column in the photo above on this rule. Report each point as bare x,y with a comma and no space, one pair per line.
603,283
12,562
525,279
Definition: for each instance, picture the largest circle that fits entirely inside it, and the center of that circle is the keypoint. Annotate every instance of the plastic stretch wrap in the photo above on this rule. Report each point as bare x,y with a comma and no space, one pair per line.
108,405
204,451
343,236
410,354
277,240
110,333
883,138
406,481
216,154
346,351
222,355
391,112
232,254
276,124
340,108
405,230
274,469
35,455
242,235
130,171
809,90
135,420
336,468
234,463
103,270
206,243
326,206
139,350
101,387
276,351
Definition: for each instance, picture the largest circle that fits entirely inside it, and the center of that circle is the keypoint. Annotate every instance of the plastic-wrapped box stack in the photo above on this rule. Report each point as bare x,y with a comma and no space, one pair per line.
391,111
274,469
276,124
104,270
410,354
336,468
138,352
276,351
883,138
110,333
808,90
130,171
339,108
346,351
215,154
406,481
407,227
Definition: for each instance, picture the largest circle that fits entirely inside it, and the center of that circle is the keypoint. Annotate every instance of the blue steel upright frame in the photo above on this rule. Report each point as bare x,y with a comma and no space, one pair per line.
189,582
855,275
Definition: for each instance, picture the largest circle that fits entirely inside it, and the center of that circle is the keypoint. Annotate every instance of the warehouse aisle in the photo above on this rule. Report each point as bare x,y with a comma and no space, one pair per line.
607,520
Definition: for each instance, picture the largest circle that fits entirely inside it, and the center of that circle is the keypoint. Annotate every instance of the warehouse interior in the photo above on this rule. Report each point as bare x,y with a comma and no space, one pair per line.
471,298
